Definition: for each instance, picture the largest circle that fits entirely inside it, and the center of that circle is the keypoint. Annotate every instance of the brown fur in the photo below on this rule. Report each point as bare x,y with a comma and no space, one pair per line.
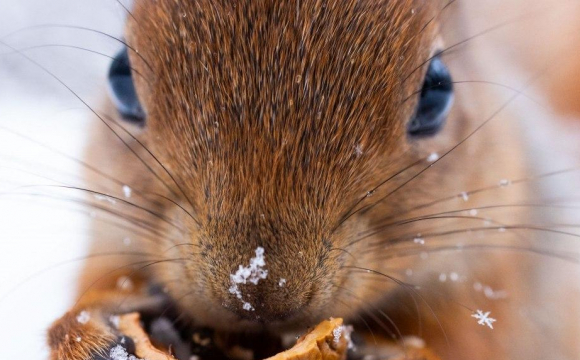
257,109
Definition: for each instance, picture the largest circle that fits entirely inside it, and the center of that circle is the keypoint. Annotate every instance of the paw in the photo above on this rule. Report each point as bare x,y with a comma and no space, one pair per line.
86,335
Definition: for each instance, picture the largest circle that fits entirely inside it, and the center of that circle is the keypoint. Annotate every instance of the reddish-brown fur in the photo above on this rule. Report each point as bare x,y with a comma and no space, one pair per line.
275,118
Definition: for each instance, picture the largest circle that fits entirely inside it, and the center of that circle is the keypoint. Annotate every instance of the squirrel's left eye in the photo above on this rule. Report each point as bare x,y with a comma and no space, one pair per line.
122,89
435,101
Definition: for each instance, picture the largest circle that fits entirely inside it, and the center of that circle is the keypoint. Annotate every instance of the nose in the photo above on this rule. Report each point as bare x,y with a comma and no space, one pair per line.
258,292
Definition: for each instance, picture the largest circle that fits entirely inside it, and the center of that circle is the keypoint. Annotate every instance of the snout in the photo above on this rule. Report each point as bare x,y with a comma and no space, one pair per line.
266,291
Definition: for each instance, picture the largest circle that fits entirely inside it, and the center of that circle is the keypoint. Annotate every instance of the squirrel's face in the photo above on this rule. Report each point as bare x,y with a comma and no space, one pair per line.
274,120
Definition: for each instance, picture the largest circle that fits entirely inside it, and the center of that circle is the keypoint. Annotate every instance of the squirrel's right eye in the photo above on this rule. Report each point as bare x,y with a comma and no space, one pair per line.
122,89
435,101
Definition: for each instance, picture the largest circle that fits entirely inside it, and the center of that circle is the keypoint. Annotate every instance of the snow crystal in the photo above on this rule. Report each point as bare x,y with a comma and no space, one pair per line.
473,212
483,318
433,157
337,333
358,150
118,353
443,277
504,182
343,331
252,273
127,191
83,317
464,196
282,282
454,276
409,272
419,241
414,342
494,295
105,198
124,283
347,330
489,292
114,319
78,339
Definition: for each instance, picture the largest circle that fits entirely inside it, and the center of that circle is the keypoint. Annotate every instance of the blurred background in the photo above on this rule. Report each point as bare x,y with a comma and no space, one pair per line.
43,128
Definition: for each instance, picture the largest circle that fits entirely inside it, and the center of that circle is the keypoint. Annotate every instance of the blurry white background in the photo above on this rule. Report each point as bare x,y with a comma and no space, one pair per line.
39,237
36,233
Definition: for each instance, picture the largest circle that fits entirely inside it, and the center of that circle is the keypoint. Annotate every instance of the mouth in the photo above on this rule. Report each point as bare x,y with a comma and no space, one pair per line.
158,339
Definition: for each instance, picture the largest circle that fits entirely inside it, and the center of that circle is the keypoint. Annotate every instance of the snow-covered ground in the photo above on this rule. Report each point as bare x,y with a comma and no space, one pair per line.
39,237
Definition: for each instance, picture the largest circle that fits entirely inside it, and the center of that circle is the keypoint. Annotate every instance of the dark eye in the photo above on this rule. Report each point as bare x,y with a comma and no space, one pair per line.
122,89
435,101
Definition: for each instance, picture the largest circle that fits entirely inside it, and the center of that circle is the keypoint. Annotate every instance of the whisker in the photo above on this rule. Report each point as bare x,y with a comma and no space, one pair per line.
483,229
361,318
145,267
140,223
94,112
43,46
67,262
484,189
461,142
408,287
76,27
503,248
124,201
162,166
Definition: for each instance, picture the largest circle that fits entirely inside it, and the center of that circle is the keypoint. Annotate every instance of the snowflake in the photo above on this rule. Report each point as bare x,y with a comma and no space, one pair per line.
127,191
83,317
252,273
433,157
483,318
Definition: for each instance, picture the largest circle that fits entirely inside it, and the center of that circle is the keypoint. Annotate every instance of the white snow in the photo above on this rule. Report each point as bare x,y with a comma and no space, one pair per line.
282,282
420,241
358,150
127,191
83,317
252,273
337,333
118,353
343,331
465,196
125,283
433,157
105,198
114,319
489,292
504,182
483,319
